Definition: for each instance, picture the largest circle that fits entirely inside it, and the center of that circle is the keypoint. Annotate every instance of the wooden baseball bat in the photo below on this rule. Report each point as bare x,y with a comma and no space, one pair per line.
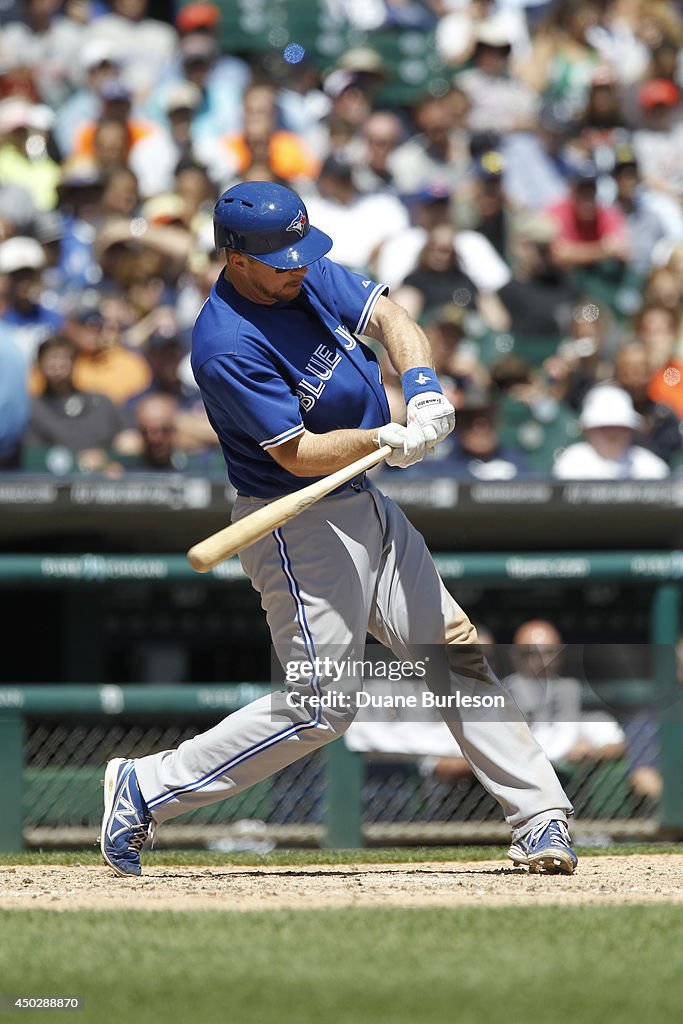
228,541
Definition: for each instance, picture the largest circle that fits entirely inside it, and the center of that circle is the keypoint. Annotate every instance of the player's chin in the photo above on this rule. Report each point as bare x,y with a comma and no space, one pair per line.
292,288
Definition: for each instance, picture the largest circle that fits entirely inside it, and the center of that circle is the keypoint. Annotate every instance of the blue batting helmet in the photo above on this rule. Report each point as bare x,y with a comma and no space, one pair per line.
269,223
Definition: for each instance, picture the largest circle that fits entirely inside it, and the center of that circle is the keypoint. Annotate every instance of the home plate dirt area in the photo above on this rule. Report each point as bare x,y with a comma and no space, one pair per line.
633,879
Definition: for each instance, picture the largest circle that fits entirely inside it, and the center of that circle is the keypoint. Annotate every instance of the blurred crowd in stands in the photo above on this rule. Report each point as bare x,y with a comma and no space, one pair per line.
527,210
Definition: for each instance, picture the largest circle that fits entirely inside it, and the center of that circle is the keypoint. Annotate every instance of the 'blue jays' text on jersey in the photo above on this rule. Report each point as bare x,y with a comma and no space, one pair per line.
267,373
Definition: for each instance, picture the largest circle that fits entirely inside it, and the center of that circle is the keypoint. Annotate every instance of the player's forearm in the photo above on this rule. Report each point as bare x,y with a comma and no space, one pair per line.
320,454
406,343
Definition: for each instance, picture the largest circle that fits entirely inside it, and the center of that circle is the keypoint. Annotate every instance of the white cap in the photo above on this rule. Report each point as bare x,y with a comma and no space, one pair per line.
97,51
18,112
608,406
15,112
41,117
182,96
21,253
492,33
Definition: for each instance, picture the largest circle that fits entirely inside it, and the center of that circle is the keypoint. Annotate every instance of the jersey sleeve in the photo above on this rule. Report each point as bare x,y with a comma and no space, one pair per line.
354,295
249,395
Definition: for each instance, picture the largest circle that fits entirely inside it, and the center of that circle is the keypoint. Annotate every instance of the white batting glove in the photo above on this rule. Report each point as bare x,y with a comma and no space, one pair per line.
434,413
408,443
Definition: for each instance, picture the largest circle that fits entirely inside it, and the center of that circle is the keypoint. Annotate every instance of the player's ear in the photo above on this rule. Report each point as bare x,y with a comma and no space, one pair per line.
235,259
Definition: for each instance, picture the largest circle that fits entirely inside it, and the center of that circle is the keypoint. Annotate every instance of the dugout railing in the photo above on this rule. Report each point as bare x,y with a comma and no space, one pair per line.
77,724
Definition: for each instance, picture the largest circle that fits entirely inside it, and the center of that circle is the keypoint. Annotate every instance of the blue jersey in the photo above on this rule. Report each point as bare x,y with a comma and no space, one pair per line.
266,373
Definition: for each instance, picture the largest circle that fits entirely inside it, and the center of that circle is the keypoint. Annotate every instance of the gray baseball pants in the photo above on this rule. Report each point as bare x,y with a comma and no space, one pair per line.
350,565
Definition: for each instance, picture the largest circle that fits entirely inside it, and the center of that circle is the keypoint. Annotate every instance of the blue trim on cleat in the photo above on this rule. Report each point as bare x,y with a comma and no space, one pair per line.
545,849
126,823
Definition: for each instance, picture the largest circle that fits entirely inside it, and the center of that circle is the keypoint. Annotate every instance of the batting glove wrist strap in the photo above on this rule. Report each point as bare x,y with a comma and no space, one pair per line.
417,380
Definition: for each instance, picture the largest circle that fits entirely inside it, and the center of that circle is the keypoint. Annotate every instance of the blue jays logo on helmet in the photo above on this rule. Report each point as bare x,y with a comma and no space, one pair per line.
298,224
259,218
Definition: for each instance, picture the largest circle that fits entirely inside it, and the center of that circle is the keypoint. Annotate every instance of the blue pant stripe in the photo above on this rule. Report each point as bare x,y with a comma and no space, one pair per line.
284,734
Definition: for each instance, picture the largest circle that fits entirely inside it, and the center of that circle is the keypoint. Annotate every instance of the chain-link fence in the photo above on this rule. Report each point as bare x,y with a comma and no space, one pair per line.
402,799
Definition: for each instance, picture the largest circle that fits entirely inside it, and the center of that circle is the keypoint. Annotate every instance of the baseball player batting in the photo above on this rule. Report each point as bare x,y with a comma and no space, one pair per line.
294,394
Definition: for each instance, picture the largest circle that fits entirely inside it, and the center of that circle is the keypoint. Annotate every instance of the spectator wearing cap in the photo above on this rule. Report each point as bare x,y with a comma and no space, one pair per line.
154,158
286,155
608,452
116,104
96,64
592,238
498,99
134,255
455,33
221,88
165,349
536,164
103,364
200,16
70,229
359,223
22,261
485,208
431,206
652,218
456,355
658,140
149,44
84,423
351,87
24,156
437,151
660,429
540,297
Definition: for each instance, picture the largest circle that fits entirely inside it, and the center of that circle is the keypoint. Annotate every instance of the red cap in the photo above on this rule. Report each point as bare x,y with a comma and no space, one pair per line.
658,91
199,15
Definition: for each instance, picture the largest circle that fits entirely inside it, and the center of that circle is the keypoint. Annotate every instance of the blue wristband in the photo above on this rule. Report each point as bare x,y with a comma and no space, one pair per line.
419,379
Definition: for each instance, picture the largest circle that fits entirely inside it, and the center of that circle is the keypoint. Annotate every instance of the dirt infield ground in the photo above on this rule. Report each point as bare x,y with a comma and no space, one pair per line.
601,880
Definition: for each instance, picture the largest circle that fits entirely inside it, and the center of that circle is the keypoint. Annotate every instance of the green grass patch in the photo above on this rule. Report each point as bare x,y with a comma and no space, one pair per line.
470,965
374,855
